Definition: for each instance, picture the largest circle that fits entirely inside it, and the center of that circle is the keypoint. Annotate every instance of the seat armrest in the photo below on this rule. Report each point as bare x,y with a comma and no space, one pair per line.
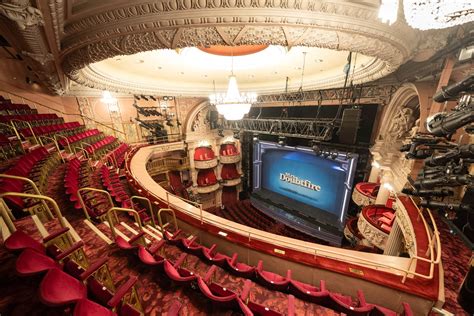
260,265
209,273
288,274
180,260
55,234
136,237
246,290
93,268
70,250
157,246
122,290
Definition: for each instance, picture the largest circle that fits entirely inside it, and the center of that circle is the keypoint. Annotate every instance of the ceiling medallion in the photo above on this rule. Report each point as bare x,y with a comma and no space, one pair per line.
241,50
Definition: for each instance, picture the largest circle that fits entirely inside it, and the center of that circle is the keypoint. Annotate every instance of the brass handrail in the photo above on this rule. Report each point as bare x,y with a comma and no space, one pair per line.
88,189
57,146
33,185
82,150
166,210
12,126
31,130
150,208
67,142
121,209
39,197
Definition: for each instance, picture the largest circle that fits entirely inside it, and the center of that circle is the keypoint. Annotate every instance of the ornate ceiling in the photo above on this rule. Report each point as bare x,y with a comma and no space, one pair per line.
63,38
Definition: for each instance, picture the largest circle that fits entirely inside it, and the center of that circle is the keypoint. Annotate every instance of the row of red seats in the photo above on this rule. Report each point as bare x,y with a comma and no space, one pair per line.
221,296
9,147
66,282
228,150
229,172
119,154
6,105
34,165
111,181
50,129
78,176
206,177
78,137
108,140
29,117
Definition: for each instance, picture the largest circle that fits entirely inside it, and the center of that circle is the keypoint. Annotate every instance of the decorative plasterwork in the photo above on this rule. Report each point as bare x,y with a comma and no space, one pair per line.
408,231
206,164
229,159
22,14
207,189
402,117
371,233
231,183
141,26
361,199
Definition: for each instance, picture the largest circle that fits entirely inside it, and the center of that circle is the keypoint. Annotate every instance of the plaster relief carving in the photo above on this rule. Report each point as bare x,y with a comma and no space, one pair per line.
41,58
22,13
401,123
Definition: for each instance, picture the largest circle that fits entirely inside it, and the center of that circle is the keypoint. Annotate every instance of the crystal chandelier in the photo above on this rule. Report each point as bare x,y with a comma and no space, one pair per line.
233,105
438,14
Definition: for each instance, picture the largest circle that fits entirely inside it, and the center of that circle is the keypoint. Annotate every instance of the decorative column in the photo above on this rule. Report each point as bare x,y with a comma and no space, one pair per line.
394,242
374,174
384,191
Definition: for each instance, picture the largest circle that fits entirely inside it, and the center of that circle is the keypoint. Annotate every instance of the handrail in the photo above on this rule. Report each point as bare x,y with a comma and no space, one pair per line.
83,150
31,129
63,113
33,185
6,214
150,208
67,141
317,252
122,209
56,144
93,151
39,197
84,208
166,210
12,126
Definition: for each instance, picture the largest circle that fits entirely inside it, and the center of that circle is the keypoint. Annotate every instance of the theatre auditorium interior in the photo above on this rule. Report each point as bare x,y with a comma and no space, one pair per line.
237,157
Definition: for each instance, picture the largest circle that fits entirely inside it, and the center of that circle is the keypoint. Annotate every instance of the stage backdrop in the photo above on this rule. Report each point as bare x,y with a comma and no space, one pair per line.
304,177
299,174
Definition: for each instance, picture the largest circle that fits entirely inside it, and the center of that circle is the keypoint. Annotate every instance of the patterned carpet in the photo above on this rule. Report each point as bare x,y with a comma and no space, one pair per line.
19,295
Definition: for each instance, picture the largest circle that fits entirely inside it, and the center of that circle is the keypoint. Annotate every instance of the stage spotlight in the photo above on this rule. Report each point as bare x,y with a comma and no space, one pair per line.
281,140
316,149
255,137
334,155
325,154
153,98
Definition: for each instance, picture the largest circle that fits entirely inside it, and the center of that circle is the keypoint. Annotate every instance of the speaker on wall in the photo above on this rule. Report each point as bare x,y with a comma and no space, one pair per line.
349,126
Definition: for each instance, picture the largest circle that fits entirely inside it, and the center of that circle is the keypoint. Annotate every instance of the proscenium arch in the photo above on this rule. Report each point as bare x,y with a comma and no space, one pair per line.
142,26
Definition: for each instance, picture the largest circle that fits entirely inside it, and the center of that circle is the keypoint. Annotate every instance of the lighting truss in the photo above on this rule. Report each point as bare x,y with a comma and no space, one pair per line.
321,129
364,94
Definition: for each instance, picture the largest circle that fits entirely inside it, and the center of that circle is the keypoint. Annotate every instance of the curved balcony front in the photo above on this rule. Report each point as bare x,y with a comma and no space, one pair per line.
205,164
375,223
229,159
365,193
207,189
231,182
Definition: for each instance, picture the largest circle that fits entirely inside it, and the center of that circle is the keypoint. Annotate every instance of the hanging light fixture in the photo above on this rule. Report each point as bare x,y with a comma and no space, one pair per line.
438,14
111,102
233,105
388,11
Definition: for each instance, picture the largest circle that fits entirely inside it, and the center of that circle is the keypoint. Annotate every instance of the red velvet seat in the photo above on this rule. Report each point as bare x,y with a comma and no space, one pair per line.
310,293
345,305
180,276
272,280
130,244
31,262
58,288
86,307
240,269
149,259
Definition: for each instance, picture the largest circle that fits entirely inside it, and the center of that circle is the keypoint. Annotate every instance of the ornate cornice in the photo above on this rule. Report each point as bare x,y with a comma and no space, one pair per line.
147,26
22,14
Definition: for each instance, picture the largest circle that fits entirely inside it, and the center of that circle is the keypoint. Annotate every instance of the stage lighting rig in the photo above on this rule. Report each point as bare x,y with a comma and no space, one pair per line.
448,180
451,92
455,154
334,155
450,206
422,146
281,140
428,193
446,124
255,137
